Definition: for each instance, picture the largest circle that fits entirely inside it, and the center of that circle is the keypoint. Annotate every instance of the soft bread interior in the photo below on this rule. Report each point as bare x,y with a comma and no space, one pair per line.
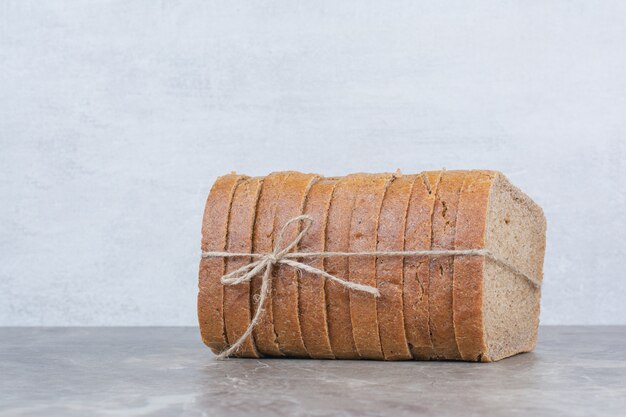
516,230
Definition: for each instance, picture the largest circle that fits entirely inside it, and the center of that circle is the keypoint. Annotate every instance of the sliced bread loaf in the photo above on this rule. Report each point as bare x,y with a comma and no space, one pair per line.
480,306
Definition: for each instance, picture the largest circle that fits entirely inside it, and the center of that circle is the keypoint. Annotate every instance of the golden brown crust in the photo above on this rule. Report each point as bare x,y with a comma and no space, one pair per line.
389,270
431,308
285,279
237,313
370,191
214,237
441,268
469,270
262,242
417,236
312,294
337,297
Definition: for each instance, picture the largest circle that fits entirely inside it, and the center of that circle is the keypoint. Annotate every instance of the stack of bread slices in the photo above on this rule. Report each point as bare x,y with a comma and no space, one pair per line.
469,308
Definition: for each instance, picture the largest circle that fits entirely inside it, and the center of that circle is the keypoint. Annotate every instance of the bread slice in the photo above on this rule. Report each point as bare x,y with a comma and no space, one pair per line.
496,311
442,268
337,296
262,242
312,287
417,236
285,279
370,190
237,312
389,270
214,237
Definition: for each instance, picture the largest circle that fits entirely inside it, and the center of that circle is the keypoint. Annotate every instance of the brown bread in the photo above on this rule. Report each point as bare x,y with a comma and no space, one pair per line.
496,311
441,268
214,237
263,242
337,297
285,280
312,287
418,236
237,312
468,270
371,190
389,271
462,307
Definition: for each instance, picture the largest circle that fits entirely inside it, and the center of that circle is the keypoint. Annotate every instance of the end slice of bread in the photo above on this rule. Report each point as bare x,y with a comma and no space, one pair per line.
237,306
496,310
214,238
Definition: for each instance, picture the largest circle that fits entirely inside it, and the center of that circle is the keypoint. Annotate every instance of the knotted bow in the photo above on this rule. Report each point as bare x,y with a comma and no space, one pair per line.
282,256
266,263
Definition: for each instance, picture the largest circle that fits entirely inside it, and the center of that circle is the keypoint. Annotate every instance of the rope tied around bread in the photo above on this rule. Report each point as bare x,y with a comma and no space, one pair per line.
265,263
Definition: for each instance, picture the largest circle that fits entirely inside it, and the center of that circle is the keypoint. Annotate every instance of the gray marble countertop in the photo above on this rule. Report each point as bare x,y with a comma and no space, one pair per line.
162,371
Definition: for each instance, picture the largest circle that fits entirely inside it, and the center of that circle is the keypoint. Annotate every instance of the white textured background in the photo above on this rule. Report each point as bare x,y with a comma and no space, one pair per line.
116,117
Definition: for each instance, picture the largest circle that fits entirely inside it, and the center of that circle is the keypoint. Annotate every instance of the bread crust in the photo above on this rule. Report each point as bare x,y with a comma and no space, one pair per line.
214,238
262,242
417,236
442,268
337,297
370,191
237,312
312,301
462,307
389,270
471,230
285,279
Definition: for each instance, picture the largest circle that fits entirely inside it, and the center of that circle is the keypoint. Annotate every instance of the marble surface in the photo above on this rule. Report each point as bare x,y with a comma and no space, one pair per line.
575,371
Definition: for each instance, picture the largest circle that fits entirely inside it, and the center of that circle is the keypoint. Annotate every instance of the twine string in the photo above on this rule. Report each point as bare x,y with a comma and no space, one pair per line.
265,263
